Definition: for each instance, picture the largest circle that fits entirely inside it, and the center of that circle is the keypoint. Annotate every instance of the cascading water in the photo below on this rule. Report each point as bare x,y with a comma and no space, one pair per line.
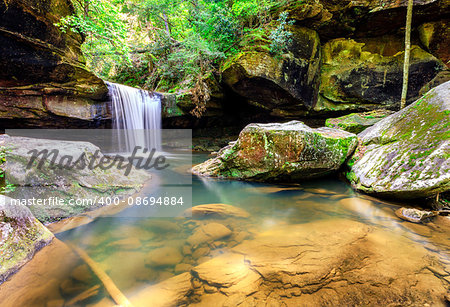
136,116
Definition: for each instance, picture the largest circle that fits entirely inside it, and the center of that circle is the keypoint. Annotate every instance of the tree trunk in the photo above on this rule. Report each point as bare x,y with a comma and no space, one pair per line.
407,53
166,23
86,9
110,287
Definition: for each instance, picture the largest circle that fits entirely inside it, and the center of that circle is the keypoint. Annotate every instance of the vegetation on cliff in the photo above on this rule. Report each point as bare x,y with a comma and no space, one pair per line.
305,56
169,45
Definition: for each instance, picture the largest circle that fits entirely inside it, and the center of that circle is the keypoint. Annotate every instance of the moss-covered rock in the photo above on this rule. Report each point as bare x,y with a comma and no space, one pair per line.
368,74
407,155
187,103
357,122
182,104
311,14
281,152
284,85
362,18
171,104
43,78
46,180
21,236
435,37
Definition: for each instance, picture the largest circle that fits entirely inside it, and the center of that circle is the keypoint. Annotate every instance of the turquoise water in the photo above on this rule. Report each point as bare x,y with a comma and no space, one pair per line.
140,251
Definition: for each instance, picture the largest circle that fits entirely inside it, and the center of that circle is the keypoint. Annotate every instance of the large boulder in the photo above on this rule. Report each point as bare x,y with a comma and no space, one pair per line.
283,85
357,122
91,186
407,155
43,78
367,74
21,236
281,152
434,36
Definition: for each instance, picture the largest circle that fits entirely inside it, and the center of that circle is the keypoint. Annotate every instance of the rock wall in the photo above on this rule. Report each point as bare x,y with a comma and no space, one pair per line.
43,78
367,74
346,56
360,45
361,18
281,85
435,37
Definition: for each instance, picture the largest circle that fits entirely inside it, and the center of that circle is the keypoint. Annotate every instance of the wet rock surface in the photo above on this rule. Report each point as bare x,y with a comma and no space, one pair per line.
208,233
215,211
318,263
406,155
357,122
164,256
281,152
54,276
305,258
22,235
63,182
414,215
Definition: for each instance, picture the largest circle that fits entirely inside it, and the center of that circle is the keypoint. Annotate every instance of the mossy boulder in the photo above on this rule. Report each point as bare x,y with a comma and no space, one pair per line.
21,236
281,152
43,78
284,85
407,155
367,74
357,122
85,181
435,37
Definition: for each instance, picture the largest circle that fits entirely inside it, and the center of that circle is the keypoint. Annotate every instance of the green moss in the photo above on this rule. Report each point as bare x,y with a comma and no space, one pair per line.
357,122
268,154
20,244
351,176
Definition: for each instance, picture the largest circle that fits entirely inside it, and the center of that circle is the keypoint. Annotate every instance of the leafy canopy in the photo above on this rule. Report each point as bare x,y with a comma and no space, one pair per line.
171,45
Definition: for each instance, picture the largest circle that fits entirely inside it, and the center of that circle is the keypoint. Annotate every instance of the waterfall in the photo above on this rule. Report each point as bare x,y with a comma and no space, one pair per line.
137,116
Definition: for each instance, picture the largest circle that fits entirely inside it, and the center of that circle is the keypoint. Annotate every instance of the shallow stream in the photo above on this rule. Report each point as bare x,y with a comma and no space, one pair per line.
137,252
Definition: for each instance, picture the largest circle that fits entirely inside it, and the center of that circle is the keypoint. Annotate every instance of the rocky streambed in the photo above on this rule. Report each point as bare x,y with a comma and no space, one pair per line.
313,240
291,245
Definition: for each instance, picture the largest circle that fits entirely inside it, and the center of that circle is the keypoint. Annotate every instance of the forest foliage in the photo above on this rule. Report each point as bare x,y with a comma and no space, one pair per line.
170,45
